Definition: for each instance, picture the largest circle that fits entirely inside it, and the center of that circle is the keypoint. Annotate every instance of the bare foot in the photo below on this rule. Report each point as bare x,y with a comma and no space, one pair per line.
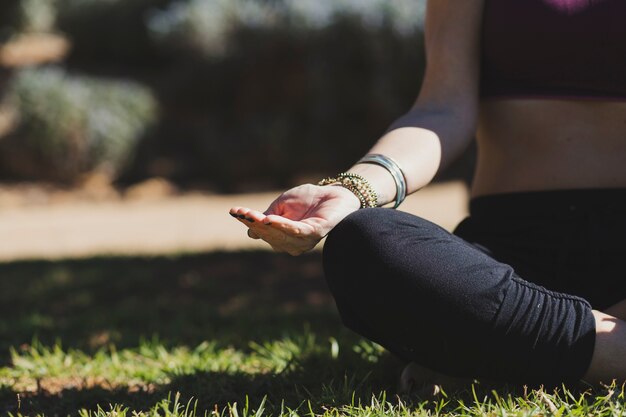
617,310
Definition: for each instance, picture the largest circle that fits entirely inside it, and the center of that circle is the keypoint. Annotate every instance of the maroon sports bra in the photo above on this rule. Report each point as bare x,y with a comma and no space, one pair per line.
554,48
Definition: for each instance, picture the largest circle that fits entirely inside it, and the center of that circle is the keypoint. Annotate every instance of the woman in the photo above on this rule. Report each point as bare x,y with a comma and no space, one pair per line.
530,288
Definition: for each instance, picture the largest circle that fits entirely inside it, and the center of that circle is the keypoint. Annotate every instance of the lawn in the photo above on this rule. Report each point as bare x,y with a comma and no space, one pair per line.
222,334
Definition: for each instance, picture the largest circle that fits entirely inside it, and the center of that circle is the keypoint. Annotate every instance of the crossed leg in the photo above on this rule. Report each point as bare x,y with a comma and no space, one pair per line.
432,298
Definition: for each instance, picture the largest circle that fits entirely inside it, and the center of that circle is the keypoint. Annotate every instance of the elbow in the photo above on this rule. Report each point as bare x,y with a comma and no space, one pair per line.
462,117
454,126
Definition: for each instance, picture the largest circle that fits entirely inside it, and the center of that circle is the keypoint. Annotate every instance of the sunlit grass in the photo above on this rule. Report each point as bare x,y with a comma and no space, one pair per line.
270,379
219,335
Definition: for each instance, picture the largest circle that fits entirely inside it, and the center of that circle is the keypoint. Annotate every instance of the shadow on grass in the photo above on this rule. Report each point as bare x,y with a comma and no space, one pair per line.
228,298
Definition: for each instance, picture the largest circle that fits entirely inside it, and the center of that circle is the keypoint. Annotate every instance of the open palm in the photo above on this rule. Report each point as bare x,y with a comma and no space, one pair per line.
299,218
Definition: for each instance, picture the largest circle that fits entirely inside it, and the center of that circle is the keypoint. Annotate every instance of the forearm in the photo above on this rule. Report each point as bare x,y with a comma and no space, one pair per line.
422,142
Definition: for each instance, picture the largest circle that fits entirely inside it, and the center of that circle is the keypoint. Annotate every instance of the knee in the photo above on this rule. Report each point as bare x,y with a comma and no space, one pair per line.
350,237
357,223
367,229
366,238
345,247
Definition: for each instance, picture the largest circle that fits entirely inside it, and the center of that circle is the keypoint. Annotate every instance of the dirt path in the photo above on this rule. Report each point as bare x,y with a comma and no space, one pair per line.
188,223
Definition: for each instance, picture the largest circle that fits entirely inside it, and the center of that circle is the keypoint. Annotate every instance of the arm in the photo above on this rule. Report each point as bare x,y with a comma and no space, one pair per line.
442,121
439,126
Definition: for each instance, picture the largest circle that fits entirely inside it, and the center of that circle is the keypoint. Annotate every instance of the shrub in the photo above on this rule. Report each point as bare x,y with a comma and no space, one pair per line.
255,90
108,32
206,25
37,15
269,92
69,125
8,15
18,16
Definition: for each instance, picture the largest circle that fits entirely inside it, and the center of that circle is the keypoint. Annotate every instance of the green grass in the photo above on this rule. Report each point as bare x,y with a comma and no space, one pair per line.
249,334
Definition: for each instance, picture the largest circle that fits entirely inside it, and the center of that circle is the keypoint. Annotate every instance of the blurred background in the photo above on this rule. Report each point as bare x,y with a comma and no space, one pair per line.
118,100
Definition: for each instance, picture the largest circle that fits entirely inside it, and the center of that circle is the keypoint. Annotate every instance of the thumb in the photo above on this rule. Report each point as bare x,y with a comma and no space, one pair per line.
253,235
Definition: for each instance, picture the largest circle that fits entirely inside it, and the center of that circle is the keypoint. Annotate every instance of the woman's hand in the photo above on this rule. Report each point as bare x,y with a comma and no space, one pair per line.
299,218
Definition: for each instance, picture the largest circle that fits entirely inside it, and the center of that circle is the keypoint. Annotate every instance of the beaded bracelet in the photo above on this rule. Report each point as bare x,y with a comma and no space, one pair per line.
359,186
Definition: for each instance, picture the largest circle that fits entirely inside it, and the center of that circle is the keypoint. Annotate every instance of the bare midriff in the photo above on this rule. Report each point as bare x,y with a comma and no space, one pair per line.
550,144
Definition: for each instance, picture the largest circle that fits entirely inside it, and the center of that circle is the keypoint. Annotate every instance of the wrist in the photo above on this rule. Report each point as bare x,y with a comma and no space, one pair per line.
392,167
350,198
357,185
380,180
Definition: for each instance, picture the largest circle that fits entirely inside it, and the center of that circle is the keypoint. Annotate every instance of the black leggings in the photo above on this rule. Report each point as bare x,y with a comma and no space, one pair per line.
507,297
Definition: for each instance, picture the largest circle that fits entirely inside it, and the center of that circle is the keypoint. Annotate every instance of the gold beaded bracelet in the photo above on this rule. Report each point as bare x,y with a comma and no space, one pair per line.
359,186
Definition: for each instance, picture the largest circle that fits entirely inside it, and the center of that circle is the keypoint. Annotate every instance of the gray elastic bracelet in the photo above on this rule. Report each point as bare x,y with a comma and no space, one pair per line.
395,171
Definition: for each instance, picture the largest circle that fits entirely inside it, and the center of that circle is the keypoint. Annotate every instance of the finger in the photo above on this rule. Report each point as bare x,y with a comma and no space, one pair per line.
282,241
253,220
237,212
268,233
254,216
284,236
256,229
291,227
276,220
246,214
259,227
